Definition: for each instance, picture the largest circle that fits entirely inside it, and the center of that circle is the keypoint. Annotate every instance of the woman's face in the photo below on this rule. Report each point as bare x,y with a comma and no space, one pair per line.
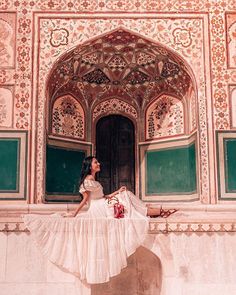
95,166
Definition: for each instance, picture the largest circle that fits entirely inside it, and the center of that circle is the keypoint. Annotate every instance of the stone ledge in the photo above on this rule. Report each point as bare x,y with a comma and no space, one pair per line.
177,223
191,218
155,227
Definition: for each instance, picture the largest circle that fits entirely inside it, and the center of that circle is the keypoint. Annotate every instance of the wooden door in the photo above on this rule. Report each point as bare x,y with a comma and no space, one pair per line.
115,149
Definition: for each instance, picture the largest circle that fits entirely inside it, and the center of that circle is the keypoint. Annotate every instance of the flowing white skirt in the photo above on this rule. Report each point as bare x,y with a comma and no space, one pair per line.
94,246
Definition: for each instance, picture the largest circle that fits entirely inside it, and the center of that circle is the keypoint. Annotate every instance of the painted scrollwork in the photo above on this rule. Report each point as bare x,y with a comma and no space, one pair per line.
114,105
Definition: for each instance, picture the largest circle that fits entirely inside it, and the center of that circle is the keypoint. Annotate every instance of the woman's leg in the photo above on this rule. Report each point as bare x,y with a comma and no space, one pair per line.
154,211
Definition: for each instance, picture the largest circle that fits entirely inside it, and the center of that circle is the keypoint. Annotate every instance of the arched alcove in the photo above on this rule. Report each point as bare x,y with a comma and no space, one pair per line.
165,116
122,73
67,118
142,276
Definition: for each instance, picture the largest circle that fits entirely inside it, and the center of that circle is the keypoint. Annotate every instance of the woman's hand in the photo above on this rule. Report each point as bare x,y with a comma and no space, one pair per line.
121,189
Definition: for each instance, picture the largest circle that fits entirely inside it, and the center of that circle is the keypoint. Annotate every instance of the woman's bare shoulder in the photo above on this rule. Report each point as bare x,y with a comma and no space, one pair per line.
89,177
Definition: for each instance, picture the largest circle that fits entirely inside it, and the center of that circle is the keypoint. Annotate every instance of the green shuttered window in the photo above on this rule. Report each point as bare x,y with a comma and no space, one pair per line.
9,174
63,170
171,171
230,164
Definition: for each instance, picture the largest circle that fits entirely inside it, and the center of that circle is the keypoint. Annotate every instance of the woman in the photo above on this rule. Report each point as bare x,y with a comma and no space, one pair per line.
94,245
92,191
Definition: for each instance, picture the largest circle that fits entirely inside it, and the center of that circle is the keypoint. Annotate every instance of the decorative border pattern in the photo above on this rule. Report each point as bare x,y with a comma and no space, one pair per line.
191,227
20,194
114,106
155,227
143,26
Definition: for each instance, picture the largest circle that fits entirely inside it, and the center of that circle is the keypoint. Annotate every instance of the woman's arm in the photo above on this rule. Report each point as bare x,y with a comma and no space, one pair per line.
81,205
115,192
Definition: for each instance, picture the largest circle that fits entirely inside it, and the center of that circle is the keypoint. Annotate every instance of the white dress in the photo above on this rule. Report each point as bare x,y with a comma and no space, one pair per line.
94,245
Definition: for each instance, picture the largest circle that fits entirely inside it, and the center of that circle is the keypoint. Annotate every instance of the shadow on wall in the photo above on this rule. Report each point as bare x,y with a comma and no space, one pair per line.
142,276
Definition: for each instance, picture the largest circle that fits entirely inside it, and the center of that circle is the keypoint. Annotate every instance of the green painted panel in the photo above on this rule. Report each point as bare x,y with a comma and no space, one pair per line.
9,149
230,164
63,170
170,171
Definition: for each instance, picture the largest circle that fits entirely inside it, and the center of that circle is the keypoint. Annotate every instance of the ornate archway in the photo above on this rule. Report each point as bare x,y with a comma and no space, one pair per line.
120,64
122,73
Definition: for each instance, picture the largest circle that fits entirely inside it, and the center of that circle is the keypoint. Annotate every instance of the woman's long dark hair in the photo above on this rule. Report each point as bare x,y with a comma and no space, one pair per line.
86,169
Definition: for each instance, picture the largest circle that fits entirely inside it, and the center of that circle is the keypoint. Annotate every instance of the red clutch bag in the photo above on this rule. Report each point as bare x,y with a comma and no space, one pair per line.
119,208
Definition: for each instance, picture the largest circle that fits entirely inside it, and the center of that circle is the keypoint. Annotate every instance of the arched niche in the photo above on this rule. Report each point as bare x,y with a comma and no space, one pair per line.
126,68
67,118
165,117
6,103
143,276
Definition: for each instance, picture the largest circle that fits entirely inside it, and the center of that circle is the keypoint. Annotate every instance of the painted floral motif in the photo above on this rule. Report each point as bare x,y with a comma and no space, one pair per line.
218,68
68,118
114,106
59,37
23,54
232,45
182,37
121,6
24,25
217,26
6,49
6,101
164,117
3,76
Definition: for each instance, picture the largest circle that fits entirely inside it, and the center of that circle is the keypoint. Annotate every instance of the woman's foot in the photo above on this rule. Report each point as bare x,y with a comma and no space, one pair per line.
167,213
154,212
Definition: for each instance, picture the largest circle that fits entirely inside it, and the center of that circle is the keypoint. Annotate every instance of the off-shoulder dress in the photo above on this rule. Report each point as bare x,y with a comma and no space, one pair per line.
94,245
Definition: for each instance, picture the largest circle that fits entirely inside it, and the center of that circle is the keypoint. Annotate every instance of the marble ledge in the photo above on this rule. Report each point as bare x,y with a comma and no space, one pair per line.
183,221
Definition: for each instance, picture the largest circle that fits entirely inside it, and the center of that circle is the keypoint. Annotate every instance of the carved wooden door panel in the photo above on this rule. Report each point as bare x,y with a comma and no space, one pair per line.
115,149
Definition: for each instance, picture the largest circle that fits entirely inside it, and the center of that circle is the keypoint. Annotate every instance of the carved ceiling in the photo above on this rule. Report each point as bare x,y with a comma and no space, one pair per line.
119,64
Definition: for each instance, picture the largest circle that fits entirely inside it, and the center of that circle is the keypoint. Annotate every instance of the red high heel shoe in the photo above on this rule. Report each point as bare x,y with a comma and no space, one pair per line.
165,213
